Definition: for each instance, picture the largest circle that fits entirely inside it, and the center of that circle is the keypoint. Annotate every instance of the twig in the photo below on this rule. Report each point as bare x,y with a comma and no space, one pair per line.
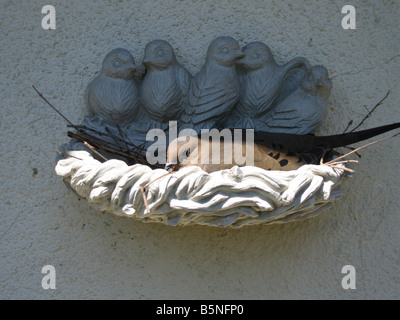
81,129
370,113
358,149
105,148
65,118
101,133
69,155
348,126
143,191
143,188
351,148
94,150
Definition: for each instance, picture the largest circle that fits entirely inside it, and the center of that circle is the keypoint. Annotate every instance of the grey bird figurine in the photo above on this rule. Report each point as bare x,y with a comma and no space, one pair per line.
164,89
262,80
303,111
113,94
214,90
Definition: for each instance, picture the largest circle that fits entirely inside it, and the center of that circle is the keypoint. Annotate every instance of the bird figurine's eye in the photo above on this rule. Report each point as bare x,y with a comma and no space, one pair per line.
225,50
159,52
117,63
255,55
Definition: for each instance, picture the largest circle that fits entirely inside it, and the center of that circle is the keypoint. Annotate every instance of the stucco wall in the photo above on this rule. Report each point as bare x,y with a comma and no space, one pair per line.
99,255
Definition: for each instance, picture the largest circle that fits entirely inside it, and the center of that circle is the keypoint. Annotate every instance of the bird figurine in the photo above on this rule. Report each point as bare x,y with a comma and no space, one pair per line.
304,110
214,90
262,80
113,94
164,88
269,151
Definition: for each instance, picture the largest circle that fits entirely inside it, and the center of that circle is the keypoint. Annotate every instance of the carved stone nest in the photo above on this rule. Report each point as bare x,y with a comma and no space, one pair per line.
235,88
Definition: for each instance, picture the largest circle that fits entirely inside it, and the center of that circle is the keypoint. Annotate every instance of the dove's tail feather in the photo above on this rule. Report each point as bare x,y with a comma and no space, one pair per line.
346,139
303,143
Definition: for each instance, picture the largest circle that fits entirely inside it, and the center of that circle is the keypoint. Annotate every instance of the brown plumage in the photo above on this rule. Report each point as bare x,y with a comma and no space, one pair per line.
270,151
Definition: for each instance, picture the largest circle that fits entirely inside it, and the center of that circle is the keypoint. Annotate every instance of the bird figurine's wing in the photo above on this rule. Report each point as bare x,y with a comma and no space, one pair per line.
298,114
184,78
211,96
293,77
114,99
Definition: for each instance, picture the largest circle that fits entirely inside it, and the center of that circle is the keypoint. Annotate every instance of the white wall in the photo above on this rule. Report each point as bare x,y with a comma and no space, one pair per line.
99,255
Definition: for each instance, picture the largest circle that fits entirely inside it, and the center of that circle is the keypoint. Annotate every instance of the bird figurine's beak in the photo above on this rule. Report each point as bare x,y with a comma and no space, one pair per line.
146,61
239,55
170,166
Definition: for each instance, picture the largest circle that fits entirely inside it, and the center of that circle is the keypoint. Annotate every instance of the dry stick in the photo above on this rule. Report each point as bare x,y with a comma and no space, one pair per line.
101,133
143,188
363,120
108,149
94,150
370,113
123,134
99,140
334,161
64,117
348,126
79,129
69,155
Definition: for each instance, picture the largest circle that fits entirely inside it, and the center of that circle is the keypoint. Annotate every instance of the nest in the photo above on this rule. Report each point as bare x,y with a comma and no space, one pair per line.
235,197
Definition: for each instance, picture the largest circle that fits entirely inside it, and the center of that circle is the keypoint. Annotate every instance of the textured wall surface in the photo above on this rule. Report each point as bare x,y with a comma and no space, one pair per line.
99,255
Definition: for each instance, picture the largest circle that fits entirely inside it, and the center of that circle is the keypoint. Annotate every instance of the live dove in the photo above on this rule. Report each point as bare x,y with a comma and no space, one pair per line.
270,151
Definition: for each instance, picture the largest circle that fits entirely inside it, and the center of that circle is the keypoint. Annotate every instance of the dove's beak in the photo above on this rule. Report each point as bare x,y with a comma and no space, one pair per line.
171,166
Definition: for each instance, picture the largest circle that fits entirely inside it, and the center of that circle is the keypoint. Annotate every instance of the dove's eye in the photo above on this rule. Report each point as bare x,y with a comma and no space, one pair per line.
159,52
186,153
255,55
225,50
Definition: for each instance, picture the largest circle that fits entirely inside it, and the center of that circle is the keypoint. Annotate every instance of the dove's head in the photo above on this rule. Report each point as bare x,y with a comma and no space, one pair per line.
182,152
119,63
225,51
257,56
317,79
158,54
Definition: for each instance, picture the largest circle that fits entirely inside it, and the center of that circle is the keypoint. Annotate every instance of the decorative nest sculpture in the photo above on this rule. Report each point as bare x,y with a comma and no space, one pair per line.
231,197
106,161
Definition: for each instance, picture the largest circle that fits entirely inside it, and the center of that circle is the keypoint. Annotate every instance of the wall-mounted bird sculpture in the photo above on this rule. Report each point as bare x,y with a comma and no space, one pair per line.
113,94
214,90
303,111
262,81
270,151
164,89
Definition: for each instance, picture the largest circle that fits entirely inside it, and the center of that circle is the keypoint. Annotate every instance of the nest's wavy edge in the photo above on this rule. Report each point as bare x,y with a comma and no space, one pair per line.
229,198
